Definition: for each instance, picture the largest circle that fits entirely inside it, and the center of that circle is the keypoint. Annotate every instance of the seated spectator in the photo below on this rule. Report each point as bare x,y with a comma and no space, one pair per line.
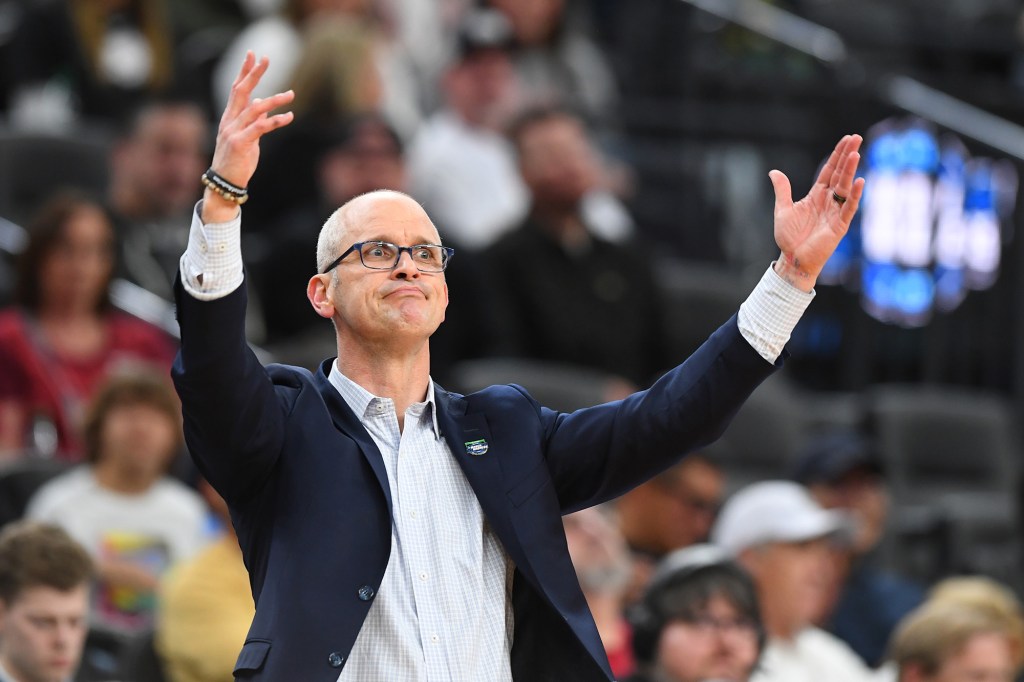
601,559
698,620
673,510
62,338
154,184
337,46
556,60
44,603
946,642
206,607
89,58
461,166
134,520
779,534
567,294
989,596
843,471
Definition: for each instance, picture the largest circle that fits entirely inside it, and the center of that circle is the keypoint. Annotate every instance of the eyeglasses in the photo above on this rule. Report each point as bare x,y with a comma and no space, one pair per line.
385,256
707,625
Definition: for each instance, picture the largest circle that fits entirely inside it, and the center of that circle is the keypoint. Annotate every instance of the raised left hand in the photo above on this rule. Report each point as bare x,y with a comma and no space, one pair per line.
809,230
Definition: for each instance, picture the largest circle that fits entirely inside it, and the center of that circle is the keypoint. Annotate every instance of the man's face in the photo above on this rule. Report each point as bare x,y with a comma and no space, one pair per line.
986,657
863,495
42,633
385,306
719,645
682,508
557,162
371,160
793,581
481,86
165,158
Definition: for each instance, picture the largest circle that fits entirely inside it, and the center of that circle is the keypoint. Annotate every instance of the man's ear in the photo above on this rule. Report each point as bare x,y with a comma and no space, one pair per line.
317,291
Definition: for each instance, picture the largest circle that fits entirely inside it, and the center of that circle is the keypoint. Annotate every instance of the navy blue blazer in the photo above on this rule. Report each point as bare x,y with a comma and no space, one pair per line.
310,502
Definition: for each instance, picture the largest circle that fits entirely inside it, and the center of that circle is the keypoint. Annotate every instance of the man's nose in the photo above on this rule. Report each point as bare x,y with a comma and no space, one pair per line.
405,268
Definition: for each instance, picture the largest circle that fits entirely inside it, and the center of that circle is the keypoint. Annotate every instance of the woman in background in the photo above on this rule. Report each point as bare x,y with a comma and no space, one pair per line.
61,338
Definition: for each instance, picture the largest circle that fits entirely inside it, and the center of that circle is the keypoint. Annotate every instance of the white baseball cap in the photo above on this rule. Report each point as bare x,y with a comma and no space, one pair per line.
775,511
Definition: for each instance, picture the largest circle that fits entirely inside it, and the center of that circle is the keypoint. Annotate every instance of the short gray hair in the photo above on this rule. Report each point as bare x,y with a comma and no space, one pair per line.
328,244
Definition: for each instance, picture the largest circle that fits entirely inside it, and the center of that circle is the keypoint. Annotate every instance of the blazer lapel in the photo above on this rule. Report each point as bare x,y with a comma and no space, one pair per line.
347,422
469,438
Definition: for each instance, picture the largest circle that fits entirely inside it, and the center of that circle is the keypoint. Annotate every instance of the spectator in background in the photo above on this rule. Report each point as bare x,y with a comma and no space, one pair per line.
601,559
134,520
842,471
62,338
990,597
461,167
327,50
566,294
698,620
44,603
557,62
97,59
154,182
781,535
947,642
673,510
206,607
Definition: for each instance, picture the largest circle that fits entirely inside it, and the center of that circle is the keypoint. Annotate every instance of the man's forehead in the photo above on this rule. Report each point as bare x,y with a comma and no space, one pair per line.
390,218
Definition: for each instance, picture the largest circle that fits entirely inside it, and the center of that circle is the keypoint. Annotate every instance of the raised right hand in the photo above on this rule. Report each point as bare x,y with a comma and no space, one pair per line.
243,123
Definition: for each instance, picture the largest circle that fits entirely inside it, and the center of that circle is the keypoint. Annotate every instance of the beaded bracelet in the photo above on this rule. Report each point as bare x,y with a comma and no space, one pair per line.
225,189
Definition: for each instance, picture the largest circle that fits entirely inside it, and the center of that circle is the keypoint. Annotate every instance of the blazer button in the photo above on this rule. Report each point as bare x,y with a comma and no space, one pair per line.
335,660
365,593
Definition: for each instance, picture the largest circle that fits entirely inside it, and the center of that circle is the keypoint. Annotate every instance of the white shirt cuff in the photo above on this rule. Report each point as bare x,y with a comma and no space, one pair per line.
211,266
769,315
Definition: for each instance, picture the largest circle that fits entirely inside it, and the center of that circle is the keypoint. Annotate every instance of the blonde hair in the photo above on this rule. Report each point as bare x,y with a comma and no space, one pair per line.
333,76
934,631
990,597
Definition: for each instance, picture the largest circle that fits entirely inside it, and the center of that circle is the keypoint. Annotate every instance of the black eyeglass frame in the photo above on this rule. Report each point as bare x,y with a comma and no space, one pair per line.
447,251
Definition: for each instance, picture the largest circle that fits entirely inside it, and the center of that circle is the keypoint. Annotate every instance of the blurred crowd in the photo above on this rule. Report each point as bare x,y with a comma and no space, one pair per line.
503,118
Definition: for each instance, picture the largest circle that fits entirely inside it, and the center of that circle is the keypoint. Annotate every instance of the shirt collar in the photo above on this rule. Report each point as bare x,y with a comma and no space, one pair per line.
359,399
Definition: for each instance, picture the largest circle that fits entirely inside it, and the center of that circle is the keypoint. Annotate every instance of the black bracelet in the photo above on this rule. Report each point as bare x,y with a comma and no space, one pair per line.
225,189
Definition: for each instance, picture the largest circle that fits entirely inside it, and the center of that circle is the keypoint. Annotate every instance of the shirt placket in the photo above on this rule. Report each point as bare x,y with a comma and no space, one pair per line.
415,481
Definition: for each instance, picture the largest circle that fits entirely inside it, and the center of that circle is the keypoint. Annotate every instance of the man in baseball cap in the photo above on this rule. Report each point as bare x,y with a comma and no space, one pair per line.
778,533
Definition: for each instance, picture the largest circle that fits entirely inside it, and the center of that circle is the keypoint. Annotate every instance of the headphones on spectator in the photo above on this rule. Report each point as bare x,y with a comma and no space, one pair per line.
647,618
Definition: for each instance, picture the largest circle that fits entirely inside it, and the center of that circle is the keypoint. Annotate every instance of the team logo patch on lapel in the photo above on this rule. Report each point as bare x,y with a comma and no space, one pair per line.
476,447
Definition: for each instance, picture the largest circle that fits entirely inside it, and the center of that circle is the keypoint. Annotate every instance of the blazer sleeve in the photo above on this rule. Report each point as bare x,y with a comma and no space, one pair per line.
599,453
233,417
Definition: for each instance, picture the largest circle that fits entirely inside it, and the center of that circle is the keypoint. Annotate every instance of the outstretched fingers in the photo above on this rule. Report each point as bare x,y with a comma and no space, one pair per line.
245,82
846,166
825,175
849,207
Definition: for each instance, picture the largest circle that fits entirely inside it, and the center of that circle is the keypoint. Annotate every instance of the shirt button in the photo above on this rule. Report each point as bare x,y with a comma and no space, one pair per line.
365,593
423,576
412,514
335,660
435,639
